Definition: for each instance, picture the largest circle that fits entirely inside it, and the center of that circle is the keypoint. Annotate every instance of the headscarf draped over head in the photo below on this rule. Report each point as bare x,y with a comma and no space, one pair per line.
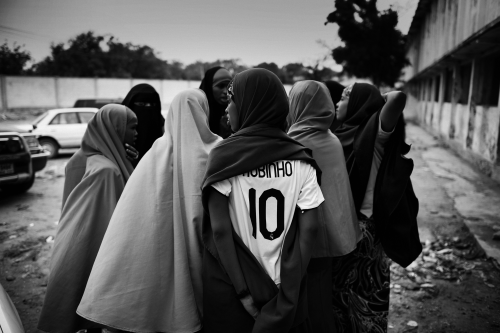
217,111
395,206
150,119
85,217
105,135
364,101
263,107
311,111
156,228
358,139
335,90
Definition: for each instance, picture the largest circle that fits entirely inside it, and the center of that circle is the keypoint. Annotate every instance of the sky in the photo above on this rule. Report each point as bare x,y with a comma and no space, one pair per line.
255,31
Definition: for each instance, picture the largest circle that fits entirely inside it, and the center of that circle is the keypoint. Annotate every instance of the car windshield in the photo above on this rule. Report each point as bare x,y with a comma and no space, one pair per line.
40,118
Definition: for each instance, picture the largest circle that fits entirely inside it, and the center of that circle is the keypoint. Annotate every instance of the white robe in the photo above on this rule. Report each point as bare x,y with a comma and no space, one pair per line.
147,275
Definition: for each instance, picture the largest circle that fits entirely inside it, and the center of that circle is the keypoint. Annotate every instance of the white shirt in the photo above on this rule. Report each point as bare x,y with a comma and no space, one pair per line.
262,204
378,154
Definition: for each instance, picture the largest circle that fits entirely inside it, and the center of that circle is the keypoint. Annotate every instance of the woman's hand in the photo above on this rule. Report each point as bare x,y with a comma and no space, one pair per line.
249,305
132,153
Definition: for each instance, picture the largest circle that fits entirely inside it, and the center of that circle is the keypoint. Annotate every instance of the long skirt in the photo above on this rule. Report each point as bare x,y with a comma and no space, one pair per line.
361,285
319,299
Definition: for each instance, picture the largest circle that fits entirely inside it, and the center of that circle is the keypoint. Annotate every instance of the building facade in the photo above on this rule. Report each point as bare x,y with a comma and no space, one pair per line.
453,83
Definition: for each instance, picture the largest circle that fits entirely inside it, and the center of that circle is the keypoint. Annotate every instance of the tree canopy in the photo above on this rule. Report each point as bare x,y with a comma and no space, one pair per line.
13,61
92,55
373,48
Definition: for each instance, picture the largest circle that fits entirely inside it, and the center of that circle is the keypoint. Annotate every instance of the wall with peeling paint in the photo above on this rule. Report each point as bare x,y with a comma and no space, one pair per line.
454,81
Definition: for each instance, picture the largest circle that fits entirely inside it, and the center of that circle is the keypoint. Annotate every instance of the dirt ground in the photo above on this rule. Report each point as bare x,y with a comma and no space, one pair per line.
450,288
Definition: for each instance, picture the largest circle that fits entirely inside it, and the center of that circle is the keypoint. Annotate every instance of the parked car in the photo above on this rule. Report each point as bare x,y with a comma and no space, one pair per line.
38,154
16,169
95,103
62,128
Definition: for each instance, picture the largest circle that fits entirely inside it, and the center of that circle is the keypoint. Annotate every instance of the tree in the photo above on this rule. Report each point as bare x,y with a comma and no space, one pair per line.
196,70
295,72
13,61
82,58
373,48
85,56
271,66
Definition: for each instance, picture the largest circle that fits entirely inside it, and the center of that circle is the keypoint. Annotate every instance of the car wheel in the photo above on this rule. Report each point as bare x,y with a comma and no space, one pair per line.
19,188
51,146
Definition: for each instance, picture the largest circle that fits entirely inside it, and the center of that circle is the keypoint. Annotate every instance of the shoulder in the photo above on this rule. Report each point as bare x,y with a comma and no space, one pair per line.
100,165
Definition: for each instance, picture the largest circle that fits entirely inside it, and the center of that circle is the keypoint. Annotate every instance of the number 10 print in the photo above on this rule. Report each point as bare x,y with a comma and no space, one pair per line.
280,218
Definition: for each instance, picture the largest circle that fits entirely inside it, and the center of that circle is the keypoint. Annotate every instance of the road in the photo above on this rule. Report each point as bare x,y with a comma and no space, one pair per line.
27,221
450,288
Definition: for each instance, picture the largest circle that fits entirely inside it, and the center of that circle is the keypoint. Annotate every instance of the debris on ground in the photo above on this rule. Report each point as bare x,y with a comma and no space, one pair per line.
50,239
51,172
442,259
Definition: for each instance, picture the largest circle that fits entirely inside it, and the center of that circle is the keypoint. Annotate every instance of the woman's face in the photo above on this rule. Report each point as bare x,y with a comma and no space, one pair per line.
221,80
131,132
342,104
233,116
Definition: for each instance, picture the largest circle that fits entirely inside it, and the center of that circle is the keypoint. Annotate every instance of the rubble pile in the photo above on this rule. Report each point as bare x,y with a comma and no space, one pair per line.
442,259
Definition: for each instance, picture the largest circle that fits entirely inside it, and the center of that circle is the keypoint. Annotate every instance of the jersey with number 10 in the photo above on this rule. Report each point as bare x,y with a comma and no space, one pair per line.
262,203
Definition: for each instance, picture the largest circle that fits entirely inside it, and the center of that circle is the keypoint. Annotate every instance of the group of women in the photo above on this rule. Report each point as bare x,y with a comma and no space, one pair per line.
245,210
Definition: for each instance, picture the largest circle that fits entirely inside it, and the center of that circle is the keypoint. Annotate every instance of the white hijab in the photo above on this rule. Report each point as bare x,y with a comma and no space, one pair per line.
147,274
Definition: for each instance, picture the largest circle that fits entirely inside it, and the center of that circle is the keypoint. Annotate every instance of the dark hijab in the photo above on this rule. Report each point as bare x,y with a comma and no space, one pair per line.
357,135
395,206
217,120
150,121
335,90
263,107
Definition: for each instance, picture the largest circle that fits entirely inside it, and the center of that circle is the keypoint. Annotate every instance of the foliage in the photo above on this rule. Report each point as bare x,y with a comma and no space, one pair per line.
374,48
13,61
272,67
92,55
196,70
84,56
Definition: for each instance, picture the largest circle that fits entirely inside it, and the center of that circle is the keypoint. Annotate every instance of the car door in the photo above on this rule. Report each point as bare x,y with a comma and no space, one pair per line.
66,128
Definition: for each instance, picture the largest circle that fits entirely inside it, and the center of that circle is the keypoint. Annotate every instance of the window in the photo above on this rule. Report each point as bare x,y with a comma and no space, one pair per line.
487,80
465,74
429,90
65,119
85,116
448,85
436,88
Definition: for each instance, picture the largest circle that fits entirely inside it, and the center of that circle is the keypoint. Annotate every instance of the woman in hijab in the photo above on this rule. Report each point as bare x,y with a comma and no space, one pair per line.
372,136
85,216
214,84
254,266
311,112
145,102
335,90
75,169
147,274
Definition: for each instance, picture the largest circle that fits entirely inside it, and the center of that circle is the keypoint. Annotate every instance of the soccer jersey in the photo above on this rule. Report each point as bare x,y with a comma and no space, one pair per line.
262,204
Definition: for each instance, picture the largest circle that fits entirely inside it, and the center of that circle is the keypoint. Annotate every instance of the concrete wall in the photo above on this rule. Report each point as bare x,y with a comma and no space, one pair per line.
468,127
29,92
448,24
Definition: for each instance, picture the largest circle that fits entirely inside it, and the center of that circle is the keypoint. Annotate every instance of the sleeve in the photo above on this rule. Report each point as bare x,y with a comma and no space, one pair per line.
381,133
224,187
310,194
